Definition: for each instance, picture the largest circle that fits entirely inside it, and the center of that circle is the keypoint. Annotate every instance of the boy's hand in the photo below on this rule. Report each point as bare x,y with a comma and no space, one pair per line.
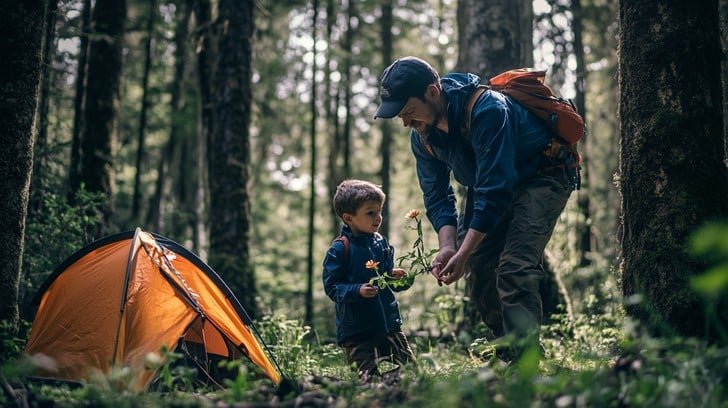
398,273
368,291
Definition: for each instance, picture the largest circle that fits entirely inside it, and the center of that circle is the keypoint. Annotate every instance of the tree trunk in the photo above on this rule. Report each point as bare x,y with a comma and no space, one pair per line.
206,54
332,118
79,101
584,233
348,57
385,149
229,155
137,196
673,178
312,191
37,184
21,39
724,65
102,104
156,214
494,35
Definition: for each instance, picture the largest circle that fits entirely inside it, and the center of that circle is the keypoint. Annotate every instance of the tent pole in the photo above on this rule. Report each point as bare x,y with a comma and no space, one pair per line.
127,277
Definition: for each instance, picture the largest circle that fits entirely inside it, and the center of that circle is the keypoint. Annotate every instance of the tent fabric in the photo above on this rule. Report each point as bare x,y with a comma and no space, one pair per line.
125,296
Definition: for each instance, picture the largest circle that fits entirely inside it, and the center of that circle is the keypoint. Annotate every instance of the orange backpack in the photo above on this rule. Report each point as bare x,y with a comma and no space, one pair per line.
526,86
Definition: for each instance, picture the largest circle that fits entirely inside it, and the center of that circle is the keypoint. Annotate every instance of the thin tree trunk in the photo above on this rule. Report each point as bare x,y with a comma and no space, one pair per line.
585,233
230,147
385,149
332,118
79,101
21,38
37,184
672,171
156,215
102,104
137,197
312,187
206,54
348,61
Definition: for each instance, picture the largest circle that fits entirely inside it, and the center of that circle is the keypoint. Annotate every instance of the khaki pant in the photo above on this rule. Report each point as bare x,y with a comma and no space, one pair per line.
505,269
368,353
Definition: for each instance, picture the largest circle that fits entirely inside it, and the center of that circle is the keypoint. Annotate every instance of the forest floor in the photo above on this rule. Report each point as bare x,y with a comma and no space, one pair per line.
591,363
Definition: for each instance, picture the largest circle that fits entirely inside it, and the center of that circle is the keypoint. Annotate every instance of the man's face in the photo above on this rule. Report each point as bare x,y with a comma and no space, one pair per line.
421,115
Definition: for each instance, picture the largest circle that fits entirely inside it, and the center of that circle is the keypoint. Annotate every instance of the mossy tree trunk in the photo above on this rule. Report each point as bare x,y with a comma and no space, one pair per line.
20,40
672,175
229,155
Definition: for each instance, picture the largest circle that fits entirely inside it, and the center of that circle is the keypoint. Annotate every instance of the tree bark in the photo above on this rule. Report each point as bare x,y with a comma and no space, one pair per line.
141,129
494,35
37,184
348,61
585,233
312,187
206,53
102,104
332,119
156,214
79,101
385,150
229,155
21,39
672,174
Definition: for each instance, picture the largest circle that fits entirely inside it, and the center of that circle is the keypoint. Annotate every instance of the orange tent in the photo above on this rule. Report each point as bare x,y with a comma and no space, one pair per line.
127,295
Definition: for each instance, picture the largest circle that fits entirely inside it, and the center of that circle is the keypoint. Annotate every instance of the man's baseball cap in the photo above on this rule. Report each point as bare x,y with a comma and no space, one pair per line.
405,78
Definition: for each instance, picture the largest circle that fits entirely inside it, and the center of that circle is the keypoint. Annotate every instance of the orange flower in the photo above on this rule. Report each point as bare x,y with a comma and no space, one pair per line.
413,214
371,264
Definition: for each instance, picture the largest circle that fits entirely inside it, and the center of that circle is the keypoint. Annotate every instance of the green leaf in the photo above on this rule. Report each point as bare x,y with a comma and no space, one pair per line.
713,282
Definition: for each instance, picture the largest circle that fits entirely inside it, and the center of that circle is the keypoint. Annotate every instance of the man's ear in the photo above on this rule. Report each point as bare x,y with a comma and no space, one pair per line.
432,92
346,217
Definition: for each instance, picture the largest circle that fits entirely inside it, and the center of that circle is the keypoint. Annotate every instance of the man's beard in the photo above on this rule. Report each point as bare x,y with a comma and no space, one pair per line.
430,129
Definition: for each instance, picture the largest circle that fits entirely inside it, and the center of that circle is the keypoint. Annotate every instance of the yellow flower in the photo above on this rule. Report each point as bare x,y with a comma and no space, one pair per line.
413,214
371,264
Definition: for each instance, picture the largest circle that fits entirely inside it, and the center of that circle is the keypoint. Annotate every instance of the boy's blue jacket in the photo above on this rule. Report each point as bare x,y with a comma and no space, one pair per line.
507,141
357,317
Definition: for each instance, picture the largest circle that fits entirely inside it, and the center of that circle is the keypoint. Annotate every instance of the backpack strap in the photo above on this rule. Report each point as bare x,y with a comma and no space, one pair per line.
344,240
469,108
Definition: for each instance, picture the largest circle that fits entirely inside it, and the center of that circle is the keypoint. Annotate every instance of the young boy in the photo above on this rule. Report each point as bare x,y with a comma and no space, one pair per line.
368,322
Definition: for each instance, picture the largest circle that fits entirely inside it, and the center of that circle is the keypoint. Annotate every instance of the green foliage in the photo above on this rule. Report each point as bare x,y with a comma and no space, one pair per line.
711,244
12,339
61,229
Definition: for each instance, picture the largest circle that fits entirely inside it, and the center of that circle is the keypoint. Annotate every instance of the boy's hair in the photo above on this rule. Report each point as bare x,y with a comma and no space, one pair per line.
352,194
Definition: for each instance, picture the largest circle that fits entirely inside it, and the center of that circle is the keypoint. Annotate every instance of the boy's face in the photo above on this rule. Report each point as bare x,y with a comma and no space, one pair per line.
367,219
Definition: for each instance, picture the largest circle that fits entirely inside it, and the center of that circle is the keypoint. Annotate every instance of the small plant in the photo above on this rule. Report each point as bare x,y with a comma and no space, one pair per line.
417,260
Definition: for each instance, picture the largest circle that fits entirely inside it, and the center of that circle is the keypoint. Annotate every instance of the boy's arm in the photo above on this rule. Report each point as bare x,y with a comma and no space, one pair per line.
336,285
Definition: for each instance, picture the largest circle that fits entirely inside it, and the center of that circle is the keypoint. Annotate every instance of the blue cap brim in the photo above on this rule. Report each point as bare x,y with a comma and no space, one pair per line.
389,109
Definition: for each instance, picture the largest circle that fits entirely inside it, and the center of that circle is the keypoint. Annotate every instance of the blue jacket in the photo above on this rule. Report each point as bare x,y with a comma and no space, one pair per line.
504,149
357,317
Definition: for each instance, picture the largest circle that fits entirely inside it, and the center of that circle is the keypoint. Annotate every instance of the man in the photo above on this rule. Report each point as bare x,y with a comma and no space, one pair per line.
496,148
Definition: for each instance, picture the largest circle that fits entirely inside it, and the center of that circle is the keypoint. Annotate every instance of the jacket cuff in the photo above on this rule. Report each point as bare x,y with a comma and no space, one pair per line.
443,221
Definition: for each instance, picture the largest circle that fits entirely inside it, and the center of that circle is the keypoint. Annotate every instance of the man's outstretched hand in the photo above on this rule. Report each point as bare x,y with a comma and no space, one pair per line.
453,270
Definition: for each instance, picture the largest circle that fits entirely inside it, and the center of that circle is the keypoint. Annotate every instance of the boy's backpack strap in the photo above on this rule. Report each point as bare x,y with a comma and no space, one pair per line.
344,240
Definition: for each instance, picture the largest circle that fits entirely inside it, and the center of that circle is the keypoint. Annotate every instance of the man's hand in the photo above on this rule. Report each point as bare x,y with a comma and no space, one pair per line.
442,258
454,269
368,291
398,273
